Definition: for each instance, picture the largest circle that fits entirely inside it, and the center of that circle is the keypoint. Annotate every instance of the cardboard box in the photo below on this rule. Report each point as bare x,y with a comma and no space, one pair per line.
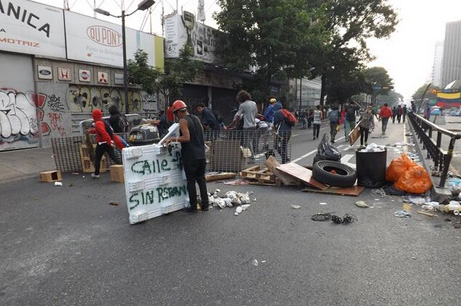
50,176
116,173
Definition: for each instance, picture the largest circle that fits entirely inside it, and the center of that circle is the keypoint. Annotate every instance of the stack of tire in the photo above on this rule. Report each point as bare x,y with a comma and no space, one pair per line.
334,173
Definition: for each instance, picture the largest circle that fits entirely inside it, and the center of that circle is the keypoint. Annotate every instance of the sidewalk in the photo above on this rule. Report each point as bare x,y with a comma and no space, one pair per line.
19,164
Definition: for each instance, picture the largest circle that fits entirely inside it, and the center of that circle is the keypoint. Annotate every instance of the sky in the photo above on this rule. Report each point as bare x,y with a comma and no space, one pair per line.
408,55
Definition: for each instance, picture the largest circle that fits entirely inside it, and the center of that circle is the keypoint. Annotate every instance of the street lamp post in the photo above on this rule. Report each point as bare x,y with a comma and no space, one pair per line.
142,6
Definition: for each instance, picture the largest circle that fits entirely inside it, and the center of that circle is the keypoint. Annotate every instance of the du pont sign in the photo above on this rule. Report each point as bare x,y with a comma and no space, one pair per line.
93,40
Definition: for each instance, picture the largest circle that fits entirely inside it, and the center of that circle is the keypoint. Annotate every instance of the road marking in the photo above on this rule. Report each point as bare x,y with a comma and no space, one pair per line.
345,160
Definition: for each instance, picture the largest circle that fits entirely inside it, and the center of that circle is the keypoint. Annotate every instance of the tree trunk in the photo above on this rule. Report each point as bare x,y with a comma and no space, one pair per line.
323,90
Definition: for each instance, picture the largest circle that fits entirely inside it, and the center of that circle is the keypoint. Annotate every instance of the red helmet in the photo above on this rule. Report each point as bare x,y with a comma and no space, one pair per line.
178,105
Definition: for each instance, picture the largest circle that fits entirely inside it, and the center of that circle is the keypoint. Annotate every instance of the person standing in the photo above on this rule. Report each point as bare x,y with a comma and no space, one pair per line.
283,133
384,114
399,113
404,114
317,121
366,122
248,111
349,122
394,114
104,142
310,118
192,154
269,112
334,122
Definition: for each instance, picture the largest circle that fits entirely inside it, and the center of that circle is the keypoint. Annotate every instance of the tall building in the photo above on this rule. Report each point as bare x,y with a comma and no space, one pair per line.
451,70
437,68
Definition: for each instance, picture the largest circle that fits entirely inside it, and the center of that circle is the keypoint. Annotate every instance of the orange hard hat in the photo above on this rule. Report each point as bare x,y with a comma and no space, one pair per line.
178,105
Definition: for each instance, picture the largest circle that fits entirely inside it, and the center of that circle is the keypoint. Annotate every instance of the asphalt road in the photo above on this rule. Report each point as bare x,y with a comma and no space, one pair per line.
68,246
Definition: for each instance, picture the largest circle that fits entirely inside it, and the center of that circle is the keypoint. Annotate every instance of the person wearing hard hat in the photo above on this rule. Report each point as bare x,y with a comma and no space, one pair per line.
193,154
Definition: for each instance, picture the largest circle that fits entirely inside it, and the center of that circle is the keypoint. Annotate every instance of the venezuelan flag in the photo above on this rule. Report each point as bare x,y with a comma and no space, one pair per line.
448,100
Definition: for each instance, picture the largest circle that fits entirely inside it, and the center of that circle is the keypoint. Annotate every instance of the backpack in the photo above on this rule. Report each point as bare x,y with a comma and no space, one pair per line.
109,129
350,112
288,117
334,116
123,123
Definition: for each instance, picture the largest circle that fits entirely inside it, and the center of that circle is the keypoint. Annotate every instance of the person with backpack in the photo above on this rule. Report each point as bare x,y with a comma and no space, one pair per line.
334,122
317,121
118,122
350,119
269,112
282,126
104,142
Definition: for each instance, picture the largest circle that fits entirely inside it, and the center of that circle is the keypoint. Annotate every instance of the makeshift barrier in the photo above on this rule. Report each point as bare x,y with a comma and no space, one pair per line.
155,182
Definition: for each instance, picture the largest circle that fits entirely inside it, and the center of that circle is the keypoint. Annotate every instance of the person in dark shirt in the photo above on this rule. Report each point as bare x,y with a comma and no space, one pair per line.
192,154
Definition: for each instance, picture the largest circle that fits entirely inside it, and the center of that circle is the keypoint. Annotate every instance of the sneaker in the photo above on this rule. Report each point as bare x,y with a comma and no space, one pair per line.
95,176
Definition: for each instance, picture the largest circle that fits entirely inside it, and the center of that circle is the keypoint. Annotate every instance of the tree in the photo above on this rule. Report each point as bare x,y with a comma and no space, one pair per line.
169,82
351,23
430,94
276,36
378,82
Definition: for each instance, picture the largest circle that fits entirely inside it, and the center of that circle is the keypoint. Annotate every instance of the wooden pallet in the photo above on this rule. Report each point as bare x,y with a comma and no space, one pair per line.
87,164
255,173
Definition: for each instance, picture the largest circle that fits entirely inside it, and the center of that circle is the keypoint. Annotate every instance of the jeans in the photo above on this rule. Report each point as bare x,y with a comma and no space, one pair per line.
282,144
99,152
195,173
316,130
249,140
348,127
384,124
333,130
363,135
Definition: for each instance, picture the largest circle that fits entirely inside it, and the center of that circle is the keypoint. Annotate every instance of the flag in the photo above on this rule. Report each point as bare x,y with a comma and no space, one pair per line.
448,99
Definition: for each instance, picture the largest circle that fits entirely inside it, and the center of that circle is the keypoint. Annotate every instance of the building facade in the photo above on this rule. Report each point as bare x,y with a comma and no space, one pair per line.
451,70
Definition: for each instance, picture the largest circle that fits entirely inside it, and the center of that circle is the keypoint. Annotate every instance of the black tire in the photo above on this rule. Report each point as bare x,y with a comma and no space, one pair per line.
345,176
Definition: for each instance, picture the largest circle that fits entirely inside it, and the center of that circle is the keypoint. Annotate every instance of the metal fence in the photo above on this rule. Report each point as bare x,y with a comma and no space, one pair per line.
228,150
425,131
236,150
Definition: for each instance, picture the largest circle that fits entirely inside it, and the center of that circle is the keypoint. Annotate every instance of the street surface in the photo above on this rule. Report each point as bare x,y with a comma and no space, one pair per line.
68,246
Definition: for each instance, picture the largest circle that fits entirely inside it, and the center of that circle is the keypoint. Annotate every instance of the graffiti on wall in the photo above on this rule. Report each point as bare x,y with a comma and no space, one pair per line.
18,118
82,99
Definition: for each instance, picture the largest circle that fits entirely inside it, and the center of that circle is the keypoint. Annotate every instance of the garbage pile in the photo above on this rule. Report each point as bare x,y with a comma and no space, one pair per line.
453,206
230,199
373,147
408,176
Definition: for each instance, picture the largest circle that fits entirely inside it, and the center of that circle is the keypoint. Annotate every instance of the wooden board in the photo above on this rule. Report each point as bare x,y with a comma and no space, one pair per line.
301,174
219,176
271,163
350,191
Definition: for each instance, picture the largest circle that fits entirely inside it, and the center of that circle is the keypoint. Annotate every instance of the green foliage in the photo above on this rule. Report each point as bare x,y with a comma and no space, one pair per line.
378,77
276,36
171,81
351,23
420,91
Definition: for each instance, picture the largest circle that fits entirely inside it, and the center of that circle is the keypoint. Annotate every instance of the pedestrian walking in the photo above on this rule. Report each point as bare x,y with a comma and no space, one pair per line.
283,133
104,142
317,121
119,123
394,113
399,113
349,122
384,114
192,154
404,114
366,123
334,122
310,118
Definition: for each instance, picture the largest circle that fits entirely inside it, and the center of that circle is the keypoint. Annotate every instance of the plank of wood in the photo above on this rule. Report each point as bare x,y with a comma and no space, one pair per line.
301,174
353,191
271,163
220,176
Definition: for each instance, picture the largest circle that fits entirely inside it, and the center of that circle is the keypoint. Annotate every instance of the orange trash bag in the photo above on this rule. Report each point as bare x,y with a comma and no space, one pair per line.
398,166
415,180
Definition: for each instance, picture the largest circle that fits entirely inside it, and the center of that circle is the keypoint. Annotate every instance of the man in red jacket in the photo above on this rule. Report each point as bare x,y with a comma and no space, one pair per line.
384,114
104,142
